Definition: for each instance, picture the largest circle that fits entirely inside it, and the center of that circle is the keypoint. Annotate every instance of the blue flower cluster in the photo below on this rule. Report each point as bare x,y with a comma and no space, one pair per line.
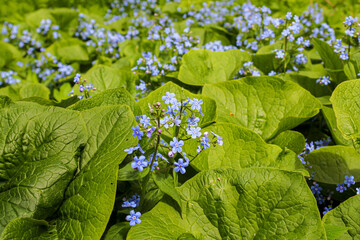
23,39
8,77
85,89
350,23
166,121
47,28
248,70
325,80
47,67
309,147
349,180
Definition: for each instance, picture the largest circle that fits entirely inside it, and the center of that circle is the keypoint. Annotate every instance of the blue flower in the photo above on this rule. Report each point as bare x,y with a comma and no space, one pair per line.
168,97
325,80
349,180
176,145
272,73
341,187
193,121
165,121
170,111
181,165
77,77
204,142
350,20
279,53
131,149
145,120
196,104
137,133
134,218
219,139
288,16
344,56
326,209
316,189
194,132
132,202
150,131
139,163
357,190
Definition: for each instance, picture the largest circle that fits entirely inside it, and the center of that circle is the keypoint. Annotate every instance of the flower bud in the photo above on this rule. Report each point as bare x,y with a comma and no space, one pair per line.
171,154
206,134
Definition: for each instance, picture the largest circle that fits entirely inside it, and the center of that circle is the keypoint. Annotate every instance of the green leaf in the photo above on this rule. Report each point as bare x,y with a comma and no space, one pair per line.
266,105
350,70
327,54
332,163
226,204
167,186
118,231
200,67
38,158
35,229
346,105
330,119
292,140
127,173
333,63
208,106
11,91
346,215
108,97
65,18
265,60
88,200
242,148
307,80
8,53
34,90
334,232
63,92
104,77
69,50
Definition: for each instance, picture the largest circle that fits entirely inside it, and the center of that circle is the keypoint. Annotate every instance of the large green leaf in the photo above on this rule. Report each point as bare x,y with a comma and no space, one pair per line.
331,164
208,106
108,97
330,119
65,18
290,139
307,79
333,63
346,105
38,158
200,67
346,215
104,77
69,50
8,53
242,148
229,204
266,105
117,231
89,198
34,90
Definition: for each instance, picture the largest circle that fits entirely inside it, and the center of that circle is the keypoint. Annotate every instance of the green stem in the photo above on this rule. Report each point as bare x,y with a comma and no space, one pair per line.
285,48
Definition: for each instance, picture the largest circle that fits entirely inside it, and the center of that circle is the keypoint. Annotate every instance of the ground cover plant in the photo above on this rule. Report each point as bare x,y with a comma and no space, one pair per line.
179,119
